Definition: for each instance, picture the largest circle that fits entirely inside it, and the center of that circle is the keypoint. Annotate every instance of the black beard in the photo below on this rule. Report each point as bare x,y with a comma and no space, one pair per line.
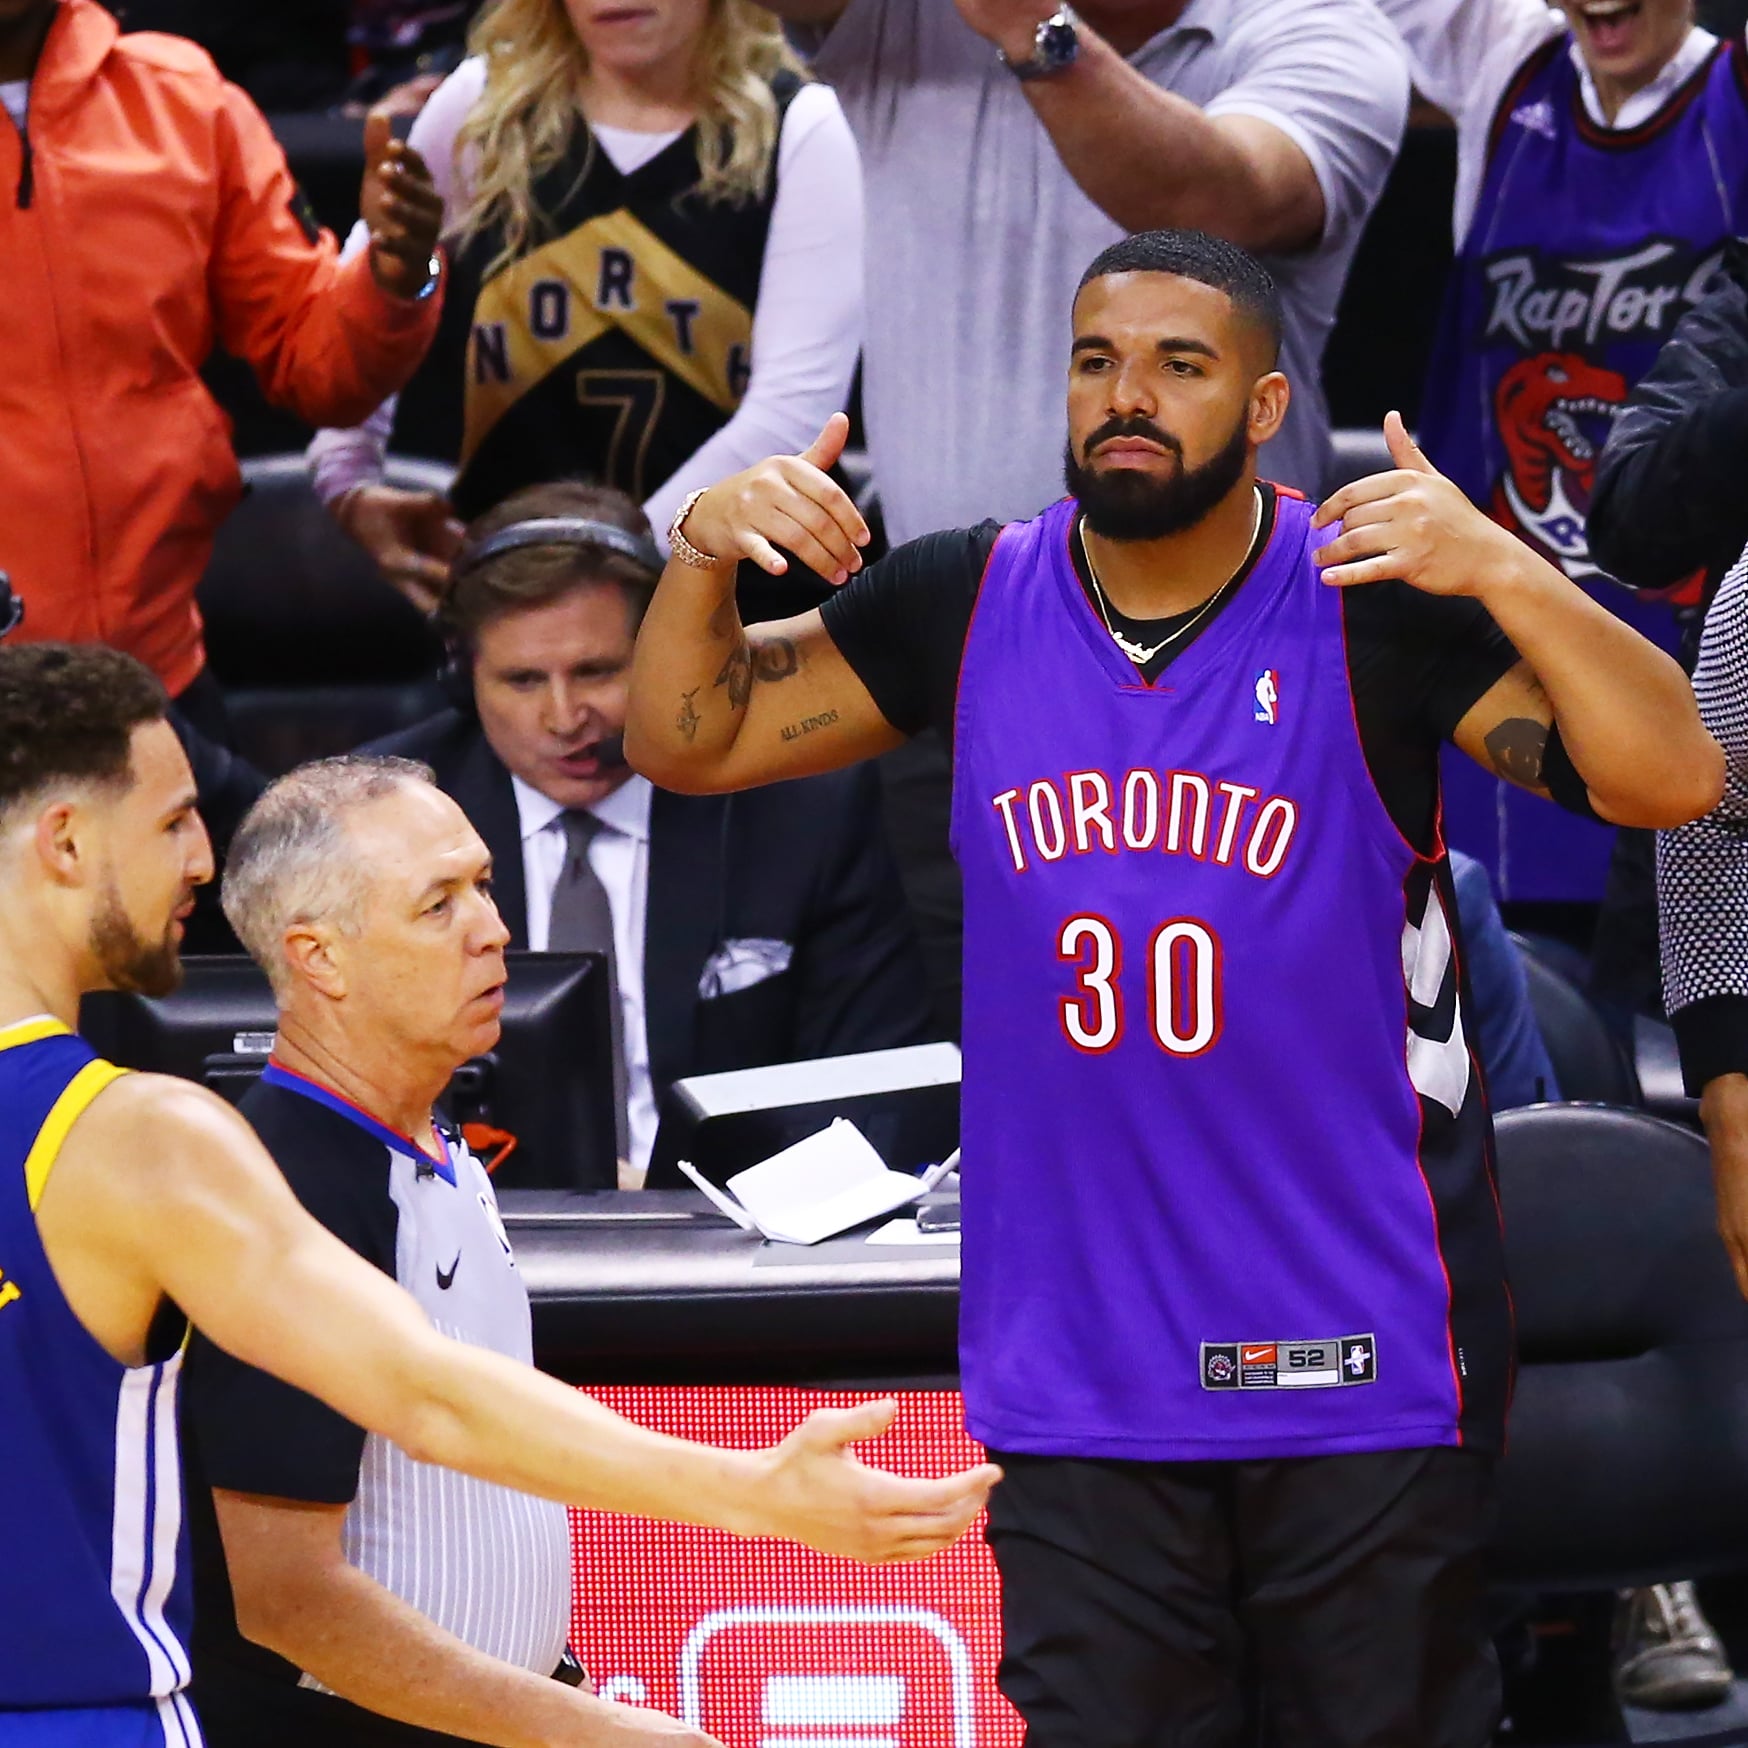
130,964
1122,504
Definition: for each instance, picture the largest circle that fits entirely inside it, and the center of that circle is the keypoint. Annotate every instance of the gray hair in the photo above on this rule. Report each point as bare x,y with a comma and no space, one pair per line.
293,860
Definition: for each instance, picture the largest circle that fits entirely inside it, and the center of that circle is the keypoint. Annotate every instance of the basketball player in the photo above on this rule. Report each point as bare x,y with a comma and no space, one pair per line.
128,1200
1233,1292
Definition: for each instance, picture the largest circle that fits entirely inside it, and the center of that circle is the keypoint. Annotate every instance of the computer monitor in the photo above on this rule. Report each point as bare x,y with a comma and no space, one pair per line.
548,1083
905,1101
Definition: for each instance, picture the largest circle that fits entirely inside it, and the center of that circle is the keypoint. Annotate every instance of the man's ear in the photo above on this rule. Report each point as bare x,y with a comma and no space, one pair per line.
1268,406
63,842
309,950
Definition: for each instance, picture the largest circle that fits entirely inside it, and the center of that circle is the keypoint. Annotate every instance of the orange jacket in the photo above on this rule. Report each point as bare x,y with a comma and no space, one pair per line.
151,214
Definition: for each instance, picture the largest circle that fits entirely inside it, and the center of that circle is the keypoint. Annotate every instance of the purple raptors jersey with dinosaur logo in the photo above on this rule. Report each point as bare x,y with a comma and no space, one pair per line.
1586,248
1227,1173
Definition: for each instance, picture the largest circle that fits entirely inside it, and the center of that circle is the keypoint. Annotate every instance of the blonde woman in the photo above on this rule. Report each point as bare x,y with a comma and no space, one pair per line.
655,229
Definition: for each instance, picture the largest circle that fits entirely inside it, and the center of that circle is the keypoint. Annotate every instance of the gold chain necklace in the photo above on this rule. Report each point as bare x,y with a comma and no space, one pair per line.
1138,653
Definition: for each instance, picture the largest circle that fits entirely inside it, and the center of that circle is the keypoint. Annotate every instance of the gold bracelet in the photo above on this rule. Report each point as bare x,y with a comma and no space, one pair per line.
681,547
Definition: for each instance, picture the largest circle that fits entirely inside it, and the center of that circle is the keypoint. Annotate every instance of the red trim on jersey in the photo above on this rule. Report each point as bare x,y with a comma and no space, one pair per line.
1630,139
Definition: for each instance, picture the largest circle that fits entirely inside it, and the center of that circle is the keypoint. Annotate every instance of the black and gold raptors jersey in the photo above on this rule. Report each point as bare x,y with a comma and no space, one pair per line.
620,340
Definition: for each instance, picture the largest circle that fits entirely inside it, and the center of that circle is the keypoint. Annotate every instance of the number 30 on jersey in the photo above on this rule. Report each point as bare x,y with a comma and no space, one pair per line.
1183,978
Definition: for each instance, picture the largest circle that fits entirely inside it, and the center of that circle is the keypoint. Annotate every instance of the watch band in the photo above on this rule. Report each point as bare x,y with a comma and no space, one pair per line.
680,546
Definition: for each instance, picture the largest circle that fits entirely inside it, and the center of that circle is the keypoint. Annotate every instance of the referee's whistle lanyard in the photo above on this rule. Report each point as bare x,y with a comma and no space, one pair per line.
289,1080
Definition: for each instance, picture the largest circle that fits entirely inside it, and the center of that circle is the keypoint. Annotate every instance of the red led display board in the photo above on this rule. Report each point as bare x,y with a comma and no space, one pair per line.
765,1645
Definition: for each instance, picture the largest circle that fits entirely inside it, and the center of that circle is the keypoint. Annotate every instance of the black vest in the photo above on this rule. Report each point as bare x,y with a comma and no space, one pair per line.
615,347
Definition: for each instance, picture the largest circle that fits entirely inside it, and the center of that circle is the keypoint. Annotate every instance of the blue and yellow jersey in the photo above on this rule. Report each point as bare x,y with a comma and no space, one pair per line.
94,1586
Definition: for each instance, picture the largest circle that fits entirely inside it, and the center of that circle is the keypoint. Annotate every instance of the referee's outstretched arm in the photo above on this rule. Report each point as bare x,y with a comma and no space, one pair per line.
715,707
1594,715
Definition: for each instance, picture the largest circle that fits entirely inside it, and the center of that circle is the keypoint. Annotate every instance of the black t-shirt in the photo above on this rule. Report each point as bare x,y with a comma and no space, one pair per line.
1417,663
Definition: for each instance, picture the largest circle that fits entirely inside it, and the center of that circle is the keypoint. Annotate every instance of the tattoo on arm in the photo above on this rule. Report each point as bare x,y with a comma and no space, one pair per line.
808,724
775,658
725,621
1516,747
688,719
737,675
770,659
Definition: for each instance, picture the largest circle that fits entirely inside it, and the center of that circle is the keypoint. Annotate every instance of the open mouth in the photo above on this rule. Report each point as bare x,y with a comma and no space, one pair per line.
1609,23
1562,419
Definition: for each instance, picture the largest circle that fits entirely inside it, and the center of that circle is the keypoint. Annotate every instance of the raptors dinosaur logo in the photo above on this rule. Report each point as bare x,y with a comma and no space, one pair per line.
1554,412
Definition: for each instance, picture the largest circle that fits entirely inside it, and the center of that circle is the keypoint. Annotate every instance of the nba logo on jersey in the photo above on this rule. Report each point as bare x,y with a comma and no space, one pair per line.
1268,697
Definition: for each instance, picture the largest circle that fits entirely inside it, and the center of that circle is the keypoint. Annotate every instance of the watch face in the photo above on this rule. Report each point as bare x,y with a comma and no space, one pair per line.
1057,41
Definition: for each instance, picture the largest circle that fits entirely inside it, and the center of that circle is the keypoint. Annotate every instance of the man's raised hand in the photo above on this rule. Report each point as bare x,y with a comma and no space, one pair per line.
819,1494
1414,524
788,501
401,207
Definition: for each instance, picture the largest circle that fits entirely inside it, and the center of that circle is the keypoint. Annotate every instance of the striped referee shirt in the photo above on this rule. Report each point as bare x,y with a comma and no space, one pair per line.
1702,868
490,1565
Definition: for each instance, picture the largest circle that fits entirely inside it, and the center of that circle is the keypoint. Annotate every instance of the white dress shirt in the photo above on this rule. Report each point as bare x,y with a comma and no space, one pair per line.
1465,53
619,855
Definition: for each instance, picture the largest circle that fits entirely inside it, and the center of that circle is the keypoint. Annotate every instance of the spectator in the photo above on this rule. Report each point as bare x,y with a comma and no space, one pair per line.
657,231
148,214
761,928
1270,123
1602,166
1702,893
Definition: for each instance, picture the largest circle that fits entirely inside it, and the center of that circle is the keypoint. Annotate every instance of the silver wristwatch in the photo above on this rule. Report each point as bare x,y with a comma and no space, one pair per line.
1055,44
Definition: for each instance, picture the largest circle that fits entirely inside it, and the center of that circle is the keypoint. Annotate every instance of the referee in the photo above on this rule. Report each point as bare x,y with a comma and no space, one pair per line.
361,1598
1233,1298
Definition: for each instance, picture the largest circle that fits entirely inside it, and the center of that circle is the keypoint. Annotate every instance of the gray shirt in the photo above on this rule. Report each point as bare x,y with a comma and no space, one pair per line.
977,234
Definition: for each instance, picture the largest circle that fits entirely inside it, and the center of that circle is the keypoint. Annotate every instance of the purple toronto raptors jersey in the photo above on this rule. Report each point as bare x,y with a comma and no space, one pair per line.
1227,1180
1586,248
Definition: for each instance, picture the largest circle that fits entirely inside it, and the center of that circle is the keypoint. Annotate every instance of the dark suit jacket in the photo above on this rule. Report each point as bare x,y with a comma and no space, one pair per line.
803,862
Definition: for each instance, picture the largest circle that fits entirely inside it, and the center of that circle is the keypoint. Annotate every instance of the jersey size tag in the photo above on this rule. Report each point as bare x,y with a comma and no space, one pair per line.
1289,1365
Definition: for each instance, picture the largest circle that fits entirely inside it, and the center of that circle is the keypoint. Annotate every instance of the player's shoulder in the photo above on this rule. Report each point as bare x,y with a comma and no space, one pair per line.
146,1110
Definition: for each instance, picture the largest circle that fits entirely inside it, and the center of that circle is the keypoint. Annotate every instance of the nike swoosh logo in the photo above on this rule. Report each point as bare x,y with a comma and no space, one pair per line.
444,1280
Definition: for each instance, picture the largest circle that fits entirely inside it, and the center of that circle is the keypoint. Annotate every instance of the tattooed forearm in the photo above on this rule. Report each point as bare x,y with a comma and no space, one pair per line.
1516,748
737,675
688,719
808,724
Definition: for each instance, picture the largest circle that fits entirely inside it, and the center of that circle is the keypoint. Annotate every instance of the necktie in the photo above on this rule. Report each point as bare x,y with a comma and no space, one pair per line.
582,922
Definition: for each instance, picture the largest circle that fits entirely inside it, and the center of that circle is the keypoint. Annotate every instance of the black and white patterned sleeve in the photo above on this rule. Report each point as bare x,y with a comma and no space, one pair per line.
1702,868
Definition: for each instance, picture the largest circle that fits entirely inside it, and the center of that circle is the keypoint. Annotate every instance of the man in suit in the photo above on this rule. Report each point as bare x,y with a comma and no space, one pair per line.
743,930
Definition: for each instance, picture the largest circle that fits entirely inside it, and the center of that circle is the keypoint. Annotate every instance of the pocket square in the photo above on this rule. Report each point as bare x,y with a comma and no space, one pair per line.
738,965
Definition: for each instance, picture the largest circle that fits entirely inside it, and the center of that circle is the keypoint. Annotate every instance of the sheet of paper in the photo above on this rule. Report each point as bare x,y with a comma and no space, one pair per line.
823,1185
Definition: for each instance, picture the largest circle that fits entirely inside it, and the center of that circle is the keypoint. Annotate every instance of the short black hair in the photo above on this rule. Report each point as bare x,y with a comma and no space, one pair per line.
67,715
1205,259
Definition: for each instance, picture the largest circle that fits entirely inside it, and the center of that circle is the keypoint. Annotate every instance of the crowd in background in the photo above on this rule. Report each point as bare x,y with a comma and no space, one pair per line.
646,246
